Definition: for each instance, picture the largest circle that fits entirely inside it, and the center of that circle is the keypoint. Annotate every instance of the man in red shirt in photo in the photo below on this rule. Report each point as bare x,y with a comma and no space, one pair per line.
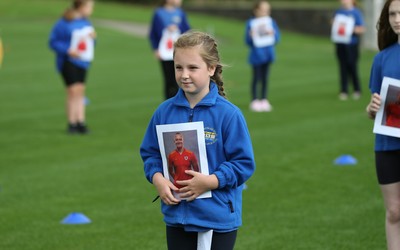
393,113
181,160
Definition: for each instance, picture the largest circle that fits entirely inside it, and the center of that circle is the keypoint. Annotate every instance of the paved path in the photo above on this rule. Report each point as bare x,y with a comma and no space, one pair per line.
135,29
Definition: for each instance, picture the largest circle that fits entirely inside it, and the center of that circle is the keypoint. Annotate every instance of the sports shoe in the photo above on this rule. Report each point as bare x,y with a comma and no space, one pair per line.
343,96
265,106
255,105
356,96
82,128
72,128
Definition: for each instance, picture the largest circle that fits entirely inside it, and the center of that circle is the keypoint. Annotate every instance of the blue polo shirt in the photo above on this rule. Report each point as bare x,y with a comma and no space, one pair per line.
386,63
358,18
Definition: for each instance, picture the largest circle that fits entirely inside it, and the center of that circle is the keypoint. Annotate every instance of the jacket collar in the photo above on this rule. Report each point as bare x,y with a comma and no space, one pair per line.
209,100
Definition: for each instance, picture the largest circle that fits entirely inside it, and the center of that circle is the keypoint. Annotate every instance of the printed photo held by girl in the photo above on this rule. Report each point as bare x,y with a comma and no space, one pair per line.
201,98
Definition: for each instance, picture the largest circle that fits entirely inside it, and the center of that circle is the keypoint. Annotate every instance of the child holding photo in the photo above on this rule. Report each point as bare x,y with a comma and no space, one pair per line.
347,51
72,39
262,33
387,148
168,22
201,97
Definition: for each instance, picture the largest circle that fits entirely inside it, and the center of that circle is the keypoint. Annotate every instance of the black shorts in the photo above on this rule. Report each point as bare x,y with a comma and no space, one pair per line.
387,166
179,239
72,73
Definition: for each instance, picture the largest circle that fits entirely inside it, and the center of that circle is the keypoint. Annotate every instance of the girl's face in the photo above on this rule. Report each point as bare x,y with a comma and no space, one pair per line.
394,16
86,10
174,3
347,3
262,10
192,73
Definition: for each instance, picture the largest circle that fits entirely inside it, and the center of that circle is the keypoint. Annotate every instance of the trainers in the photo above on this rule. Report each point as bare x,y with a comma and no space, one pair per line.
356,96
72,128
82,128
255,105
265,106
343,96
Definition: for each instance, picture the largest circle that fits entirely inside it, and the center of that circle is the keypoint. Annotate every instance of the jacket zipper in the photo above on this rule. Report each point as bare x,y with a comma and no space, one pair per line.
191,115
231,206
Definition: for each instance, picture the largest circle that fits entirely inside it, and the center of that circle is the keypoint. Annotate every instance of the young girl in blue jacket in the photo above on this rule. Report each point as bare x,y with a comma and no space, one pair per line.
201,97
262,55
169,17
348,52
387,148
71,63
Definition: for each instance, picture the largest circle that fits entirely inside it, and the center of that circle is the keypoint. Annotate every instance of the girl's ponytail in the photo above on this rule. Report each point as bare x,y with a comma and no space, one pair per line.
217,78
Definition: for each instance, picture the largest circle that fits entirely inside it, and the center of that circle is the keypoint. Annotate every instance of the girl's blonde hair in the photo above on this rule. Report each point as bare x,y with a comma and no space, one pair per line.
208,52
258,3
70,13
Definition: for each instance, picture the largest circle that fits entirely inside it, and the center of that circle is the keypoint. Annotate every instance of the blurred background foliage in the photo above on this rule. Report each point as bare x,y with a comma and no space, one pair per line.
231,2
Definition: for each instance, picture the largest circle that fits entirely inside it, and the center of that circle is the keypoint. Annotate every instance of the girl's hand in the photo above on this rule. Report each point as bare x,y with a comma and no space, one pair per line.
198,185
358,30
270,32
73,53
374,105
157,55
164,188
251,33
93,34
172,27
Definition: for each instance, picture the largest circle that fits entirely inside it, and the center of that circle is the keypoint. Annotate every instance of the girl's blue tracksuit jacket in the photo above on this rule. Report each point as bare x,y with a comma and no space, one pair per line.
358,18
60,41
163,18
230,158
258,56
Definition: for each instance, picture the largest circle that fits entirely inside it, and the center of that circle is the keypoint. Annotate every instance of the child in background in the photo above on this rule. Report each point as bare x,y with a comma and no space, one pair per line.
169,21
262,33
72,39
347,52
201,97
387,148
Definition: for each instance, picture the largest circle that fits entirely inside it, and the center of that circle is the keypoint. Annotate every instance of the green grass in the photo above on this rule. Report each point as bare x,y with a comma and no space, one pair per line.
297,198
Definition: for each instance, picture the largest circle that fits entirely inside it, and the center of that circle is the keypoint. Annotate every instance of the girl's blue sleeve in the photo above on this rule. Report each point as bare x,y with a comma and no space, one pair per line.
277,32
184,26
240,164
59,39
247,36
359,20
150,152
375,79
155,31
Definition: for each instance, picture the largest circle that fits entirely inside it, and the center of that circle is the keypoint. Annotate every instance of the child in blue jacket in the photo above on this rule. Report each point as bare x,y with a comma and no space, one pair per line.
262,33
201,97
72,39
347,52
167,19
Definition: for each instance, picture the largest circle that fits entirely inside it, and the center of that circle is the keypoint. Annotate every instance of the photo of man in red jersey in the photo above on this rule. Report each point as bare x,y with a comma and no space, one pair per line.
180,160
392,111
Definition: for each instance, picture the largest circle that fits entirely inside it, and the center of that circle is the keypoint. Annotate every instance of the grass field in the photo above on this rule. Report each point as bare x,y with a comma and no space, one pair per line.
297,199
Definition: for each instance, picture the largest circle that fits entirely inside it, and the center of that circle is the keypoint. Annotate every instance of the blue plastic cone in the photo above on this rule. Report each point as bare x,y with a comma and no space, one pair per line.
86,101
345,160
76,218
